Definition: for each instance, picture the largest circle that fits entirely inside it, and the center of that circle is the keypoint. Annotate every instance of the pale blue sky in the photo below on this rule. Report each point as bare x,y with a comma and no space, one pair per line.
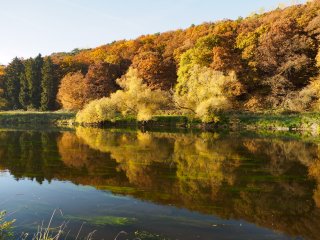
29,27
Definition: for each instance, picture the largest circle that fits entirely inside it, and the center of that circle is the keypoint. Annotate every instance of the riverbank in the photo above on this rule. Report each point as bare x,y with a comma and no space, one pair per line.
299,122
277,122
58,118
309,122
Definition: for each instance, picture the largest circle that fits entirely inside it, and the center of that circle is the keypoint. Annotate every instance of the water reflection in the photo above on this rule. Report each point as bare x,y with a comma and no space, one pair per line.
271,182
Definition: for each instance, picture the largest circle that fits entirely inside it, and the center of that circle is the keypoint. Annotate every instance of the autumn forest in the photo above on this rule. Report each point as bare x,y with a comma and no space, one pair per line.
264,62
211,131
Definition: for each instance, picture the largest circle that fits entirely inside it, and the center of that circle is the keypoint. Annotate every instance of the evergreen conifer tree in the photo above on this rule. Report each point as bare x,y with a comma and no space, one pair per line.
12,82
48,85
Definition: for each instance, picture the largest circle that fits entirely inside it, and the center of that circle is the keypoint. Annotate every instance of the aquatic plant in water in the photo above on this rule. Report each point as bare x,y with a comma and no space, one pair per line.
6,227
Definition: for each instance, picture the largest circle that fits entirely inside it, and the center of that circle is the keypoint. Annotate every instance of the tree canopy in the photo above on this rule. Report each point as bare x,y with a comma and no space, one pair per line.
273,56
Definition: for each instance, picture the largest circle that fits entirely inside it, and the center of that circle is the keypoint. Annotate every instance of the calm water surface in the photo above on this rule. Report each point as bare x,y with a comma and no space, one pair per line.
181,185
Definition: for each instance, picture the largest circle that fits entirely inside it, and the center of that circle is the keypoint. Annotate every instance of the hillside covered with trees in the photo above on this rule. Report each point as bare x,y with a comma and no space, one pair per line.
267,61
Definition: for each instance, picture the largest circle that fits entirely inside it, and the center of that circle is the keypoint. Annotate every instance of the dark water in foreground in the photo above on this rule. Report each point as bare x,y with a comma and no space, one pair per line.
181,185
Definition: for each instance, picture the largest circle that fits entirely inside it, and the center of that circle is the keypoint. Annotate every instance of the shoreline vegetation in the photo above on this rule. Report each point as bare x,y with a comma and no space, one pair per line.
36,118
235,74
46,231
232,121
307,122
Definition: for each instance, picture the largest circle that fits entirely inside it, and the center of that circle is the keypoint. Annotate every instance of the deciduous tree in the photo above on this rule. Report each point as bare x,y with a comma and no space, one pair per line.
72,92
135,100
207,92
101,80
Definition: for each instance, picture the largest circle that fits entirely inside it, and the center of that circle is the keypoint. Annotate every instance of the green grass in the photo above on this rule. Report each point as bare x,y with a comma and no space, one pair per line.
28,117
300,121
255,121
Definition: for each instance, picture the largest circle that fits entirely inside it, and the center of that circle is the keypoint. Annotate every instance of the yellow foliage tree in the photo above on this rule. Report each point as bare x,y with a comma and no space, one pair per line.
135,100
206,92
3,102
306,99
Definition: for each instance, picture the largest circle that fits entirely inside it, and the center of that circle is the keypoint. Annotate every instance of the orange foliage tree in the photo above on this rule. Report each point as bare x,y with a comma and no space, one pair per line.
72,92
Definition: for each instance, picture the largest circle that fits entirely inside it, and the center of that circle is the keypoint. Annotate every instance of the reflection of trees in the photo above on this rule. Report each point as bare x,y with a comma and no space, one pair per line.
314,172
280,152
145,158
203,164
197,158
25,154
148,159
74,154
261,180
284,200
265,181
283,155
87,165
53,155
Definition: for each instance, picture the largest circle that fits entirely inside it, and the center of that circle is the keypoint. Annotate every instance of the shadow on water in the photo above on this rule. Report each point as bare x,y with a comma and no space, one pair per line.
273,183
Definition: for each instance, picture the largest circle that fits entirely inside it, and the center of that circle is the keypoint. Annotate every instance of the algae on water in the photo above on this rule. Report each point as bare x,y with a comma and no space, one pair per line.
104,220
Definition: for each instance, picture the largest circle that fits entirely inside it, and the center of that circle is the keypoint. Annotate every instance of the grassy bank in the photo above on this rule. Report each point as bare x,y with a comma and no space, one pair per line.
233,121
281,122
36,118
249,121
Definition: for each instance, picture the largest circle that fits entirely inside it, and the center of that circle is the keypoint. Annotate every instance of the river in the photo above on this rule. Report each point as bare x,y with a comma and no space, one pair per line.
161,185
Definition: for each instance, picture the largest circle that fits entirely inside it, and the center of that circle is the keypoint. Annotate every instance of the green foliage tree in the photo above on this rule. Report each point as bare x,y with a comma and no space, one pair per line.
49,85
33,68
3,101
35,87
30,77
24,97
12,82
